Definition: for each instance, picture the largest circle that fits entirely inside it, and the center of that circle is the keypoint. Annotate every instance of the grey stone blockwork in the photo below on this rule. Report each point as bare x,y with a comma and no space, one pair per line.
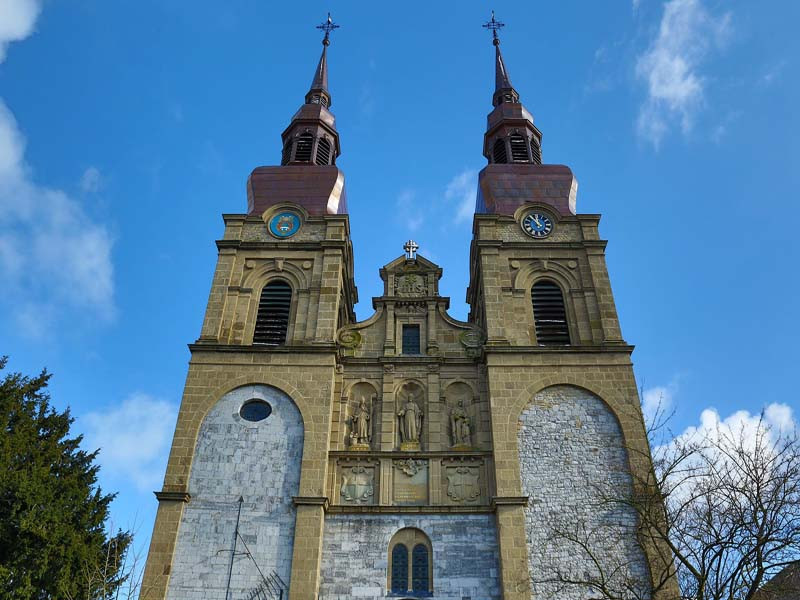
259,461
572,458
355,555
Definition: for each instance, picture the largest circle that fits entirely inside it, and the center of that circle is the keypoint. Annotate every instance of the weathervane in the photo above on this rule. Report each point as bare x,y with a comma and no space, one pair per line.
327,27
494,25
411,248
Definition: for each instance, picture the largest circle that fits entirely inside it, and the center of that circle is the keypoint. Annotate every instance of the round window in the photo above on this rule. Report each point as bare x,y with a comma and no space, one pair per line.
255,410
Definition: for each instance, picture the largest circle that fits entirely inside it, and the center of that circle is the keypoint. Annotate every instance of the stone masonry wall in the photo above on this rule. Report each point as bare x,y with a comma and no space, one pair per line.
572,459
259,461
355,555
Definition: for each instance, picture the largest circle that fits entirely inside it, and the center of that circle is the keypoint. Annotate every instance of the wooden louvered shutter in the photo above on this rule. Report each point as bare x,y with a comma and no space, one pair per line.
549,314
499,151
303,151
536,152
323,152
273,314
519,149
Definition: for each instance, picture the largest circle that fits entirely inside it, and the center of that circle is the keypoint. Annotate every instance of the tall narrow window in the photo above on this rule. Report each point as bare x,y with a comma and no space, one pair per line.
411,339
273,314
303,151
419,569
323,152
399,569
549,314
499,151
519,149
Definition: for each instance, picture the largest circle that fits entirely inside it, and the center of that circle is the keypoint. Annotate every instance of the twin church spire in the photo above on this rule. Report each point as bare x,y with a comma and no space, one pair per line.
511,136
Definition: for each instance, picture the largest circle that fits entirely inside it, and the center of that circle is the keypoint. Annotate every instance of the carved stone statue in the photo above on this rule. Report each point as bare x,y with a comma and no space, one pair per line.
410,422
360,430
460,426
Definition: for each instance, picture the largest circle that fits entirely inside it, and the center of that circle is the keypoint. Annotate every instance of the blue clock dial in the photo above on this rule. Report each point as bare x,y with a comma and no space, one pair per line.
537,224
284,224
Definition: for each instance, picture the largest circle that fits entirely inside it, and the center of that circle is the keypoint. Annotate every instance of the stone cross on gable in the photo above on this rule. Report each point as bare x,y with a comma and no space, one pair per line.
411,248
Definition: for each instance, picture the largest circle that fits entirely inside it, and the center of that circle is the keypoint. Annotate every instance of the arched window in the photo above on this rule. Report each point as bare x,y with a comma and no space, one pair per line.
303,151
519,148
414,578
549,314
536,151
323,152
499,151
272,320
399,569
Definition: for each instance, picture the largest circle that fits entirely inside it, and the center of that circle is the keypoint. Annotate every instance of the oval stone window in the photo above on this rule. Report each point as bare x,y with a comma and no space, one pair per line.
255,410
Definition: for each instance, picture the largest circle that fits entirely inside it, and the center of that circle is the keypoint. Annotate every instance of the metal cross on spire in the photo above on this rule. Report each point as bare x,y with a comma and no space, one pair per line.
494,25
411,248
327,27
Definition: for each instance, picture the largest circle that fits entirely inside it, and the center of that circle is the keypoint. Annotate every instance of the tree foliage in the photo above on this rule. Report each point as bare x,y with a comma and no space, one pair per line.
719,514
53,514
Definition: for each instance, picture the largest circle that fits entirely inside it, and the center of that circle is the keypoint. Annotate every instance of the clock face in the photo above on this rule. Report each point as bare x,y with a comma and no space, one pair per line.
284,224
537,224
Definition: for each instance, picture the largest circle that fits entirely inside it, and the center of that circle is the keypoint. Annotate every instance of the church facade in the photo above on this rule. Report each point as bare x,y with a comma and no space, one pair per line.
410,454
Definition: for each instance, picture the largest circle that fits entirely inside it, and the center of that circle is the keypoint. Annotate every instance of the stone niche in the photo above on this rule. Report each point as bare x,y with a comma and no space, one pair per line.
411,413
357,483
462,416
362,418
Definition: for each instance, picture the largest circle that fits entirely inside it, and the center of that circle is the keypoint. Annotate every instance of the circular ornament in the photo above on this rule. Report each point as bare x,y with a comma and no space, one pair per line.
284,224
537,224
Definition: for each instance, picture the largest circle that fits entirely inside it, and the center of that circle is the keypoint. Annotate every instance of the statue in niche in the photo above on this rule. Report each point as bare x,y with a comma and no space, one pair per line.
460,426
360,430
410,421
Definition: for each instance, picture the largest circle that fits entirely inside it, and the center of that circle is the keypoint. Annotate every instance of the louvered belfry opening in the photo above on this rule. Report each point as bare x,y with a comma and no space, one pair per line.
286,155
273,314
519,148
323,152
302,152
536,152
499,151
549,314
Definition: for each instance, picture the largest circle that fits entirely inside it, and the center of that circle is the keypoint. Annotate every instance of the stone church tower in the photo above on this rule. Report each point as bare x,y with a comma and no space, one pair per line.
409,454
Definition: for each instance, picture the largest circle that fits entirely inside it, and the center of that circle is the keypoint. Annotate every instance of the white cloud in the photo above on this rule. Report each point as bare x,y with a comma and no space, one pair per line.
133,438
91,180
462,189
773,72
53,255
17,18
657,401
409,210
671,67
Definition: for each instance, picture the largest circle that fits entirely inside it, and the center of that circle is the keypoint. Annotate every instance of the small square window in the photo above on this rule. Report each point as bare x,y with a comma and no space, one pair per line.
411,339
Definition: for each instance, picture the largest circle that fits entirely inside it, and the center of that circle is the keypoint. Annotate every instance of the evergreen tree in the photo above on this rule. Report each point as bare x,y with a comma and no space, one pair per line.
53,539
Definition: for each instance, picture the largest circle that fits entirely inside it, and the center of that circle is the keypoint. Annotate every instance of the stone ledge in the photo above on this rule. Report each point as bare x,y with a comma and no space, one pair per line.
509,501
449,509
172,496
311,501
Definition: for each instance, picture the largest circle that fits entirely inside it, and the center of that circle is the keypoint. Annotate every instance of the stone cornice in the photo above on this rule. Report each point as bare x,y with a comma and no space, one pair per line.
321,348
509,501
311,501
164,496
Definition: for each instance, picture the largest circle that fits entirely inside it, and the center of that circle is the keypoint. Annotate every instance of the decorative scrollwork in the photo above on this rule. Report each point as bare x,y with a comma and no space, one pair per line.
349,338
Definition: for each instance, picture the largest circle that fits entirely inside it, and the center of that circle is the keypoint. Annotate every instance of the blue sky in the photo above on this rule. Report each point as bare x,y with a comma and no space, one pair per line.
127,128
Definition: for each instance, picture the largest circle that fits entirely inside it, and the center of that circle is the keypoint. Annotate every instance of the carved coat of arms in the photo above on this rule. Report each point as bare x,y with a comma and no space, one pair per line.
357,485
462,484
